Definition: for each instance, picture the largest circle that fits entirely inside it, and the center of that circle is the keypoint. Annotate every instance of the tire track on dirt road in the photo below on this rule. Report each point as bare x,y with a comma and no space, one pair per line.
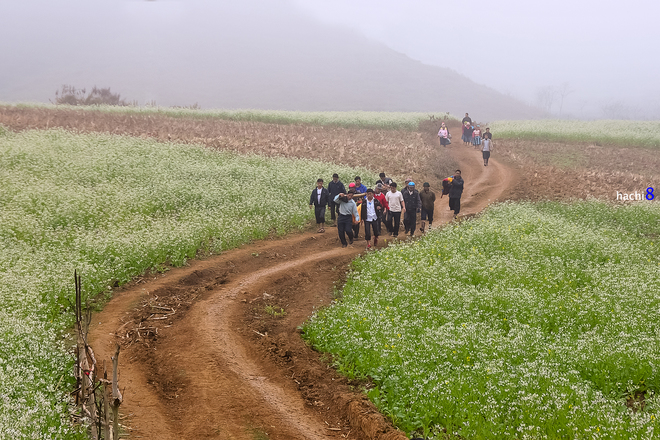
222,368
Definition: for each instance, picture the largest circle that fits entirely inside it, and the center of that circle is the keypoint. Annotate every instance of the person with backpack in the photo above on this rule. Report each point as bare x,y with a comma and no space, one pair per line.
347,211
335,187
370,214
319,200
444,135
455,192
413,206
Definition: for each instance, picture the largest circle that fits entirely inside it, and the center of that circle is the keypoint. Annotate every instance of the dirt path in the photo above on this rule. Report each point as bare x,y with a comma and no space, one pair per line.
213,350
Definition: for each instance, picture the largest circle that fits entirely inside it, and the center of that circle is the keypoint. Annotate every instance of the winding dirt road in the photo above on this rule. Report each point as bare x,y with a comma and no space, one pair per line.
213,350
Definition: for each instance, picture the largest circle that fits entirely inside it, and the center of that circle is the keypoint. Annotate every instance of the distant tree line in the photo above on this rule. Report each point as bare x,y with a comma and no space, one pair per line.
70,95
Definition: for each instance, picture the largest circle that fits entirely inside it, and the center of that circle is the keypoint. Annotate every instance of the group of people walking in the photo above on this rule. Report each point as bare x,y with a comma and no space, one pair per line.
472,135
381,205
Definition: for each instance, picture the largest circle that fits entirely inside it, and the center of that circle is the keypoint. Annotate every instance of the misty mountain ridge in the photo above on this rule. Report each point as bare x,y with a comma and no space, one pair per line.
253,55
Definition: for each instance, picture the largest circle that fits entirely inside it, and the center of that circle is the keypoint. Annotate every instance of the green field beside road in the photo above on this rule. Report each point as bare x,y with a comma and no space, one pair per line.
530,321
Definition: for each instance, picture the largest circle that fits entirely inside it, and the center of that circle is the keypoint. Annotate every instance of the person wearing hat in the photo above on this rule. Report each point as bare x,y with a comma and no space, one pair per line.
334,188
428,204
396,205
444,136
347,210
413,206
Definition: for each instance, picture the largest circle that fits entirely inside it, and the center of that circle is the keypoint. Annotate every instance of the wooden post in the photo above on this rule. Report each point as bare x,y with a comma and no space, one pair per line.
106,400
116,395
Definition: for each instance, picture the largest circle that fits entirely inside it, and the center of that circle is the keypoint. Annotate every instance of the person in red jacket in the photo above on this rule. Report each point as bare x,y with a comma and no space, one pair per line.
380,196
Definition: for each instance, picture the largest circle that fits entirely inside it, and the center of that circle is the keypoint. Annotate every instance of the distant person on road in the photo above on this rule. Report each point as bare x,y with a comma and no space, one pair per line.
467,118
319,200
468,133
443,134
466,139
455,192
486,148
371,212
380,196
395,201
428,205
384,181
335,187
488,134
413,206
476,136
347,210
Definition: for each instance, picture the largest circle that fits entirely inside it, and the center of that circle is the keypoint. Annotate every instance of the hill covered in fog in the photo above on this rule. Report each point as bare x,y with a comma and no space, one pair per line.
254,54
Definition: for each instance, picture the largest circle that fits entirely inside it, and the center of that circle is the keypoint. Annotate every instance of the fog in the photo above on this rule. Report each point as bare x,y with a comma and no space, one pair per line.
341,55
604,50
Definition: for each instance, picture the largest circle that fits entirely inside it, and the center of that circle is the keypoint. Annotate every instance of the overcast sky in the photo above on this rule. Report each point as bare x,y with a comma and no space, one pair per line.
607,51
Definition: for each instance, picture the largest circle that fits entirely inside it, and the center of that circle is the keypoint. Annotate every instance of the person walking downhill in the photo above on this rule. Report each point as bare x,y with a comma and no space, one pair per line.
395,201
384,181
443,134
455,192
347,210
467,118
371,212
476,137
319,200
380,196
486,148
468,133
335,187
428,205
413,206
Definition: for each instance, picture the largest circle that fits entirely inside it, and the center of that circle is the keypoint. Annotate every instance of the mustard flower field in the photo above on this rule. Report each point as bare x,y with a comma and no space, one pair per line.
112,207
532,321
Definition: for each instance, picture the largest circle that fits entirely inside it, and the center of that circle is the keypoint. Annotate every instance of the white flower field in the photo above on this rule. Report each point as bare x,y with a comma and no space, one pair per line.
619,133
530,322
112,207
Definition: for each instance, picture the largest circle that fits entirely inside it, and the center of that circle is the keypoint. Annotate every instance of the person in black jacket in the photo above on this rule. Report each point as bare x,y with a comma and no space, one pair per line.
413,206
319,200
455,192
334,188
371,211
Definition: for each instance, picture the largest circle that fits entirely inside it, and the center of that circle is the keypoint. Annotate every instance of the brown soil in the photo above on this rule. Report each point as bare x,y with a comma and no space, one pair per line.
213,350
398,152
558,171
